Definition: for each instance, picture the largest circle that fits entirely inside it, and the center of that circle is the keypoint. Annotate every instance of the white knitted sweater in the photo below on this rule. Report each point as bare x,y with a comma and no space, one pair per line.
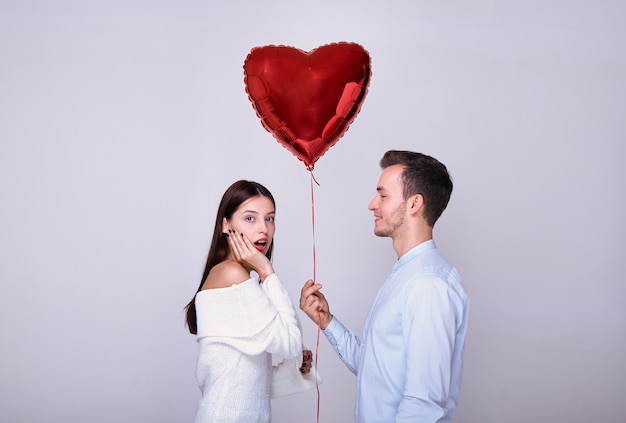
239,328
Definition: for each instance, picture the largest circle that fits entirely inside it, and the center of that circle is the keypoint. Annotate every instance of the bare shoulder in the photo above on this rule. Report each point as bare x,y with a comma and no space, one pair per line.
225,274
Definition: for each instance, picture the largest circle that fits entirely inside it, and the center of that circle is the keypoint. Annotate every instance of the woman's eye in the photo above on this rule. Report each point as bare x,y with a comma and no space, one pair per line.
270,219
249,218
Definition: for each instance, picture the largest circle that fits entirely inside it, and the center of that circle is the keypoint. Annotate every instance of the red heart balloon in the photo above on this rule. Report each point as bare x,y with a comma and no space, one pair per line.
307,100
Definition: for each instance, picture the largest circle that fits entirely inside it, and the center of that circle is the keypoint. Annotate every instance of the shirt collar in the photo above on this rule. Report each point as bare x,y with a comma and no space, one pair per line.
414,252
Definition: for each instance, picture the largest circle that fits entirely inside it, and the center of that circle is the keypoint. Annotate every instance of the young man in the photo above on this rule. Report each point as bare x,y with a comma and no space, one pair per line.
409,360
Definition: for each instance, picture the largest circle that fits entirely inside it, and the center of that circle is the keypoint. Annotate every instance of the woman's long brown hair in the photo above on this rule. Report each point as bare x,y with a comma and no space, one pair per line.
236,194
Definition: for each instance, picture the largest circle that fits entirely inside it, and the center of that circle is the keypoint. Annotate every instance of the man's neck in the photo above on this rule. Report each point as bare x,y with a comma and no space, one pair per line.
401,246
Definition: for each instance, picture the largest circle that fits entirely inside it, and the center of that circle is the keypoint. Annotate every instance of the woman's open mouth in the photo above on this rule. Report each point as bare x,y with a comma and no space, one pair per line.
261,245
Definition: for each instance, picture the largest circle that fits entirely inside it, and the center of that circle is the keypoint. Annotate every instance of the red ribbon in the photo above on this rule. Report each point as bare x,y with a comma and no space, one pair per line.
317,341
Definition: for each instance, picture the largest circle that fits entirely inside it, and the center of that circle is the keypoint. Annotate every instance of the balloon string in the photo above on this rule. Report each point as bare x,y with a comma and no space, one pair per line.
313,223
317,341
317,346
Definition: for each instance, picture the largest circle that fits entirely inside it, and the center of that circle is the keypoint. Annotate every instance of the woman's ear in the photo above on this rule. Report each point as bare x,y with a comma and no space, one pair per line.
224,226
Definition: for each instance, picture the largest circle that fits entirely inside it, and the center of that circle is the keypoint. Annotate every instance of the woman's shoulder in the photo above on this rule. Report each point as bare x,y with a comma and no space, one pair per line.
226,274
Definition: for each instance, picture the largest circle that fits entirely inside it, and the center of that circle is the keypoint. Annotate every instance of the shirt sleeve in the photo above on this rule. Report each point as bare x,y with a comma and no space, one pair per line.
345,343
429,324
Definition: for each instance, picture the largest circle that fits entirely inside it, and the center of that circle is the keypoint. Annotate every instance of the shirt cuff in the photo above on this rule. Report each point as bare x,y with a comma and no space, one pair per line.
333,330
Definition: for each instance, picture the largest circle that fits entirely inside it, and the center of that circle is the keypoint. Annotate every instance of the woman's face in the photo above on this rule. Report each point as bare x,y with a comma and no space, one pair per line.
255,219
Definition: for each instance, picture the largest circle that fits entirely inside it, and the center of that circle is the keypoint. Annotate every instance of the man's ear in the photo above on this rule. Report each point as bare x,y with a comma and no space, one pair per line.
416,203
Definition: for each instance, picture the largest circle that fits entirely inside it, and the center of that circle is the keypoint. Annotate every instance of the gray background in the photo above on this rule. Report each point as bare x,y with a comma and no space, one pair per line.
122,122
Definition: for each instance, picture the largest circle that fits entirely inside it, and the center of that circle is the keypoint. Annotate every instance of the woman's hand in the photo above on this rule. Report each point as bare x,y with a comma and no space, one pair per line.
307,362
246,254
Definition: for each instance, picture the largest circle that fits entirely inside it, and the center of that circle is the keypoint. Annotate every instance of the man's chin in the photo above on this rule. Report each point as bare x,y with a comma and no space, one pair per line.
380,233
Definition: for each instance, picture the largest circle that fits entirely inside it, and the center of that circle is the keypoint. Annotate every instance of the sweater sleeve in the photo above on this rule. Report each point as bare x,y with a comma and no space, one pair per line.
285,337
286,376
250,317
287,379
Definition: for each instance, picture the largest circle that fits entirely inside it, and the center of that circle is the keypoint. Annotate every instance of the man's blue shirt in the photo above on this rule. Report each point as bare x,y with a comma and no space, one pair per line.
409,360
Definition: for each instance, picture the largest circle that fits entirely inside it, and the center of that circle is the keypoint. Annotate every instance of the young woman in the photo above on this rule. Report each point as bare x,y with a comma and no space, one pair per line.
242,316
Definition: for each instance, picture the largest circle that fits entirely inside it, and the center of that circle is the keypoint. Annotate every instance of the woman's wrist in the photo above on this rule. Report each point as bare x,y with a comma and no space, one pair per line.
263,274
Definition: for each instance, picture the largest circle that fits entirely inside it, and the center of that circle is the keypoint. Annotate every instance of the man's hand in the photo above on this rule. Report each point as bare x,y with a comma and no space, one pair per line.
314,304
